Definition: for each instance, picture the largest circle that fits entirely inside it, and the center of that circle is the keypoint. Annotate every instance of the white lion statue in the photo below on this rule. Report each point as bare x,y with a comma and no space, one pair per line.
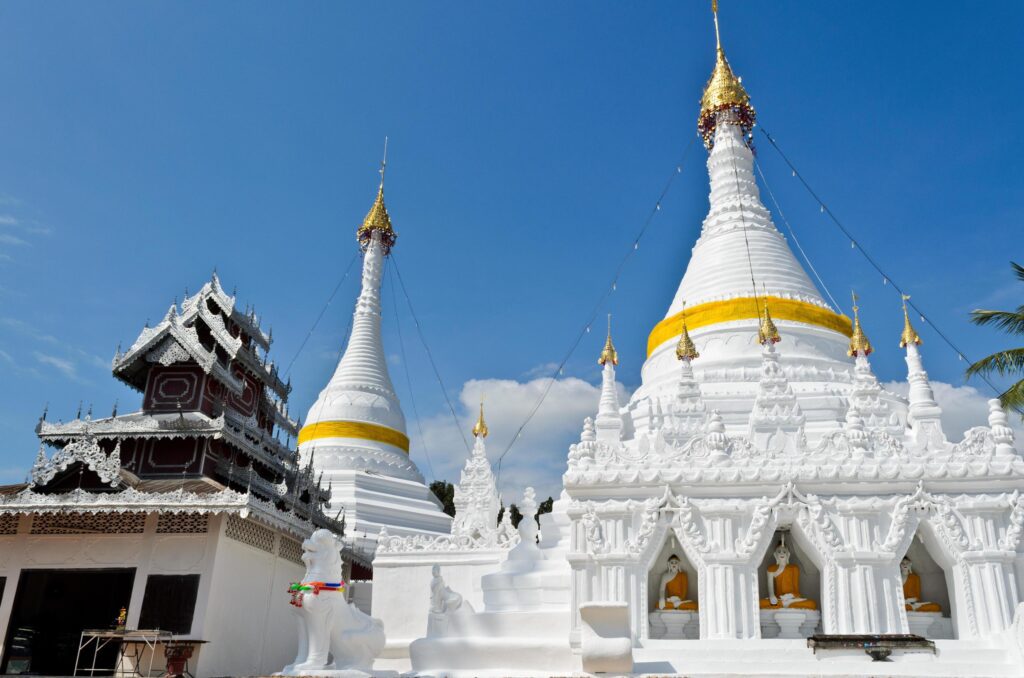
333,634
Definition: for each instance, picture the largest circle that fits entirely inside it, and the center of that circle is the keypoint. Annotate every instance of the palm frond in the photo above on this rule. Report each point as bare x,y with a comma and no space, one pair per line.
1008,321
1013,398
1018,269
1003,362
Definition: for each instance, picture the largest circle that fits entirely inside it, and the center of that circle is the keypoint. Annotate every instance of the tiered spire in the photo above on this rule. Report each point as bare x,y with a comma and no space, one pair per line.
776,421
609,419
865,398
476,495
688,409
925,416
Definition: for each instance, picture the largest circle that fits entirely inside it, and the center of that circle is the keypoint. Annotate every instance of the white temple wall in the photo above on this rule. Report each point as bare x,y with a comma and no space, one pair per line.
248,620
401,589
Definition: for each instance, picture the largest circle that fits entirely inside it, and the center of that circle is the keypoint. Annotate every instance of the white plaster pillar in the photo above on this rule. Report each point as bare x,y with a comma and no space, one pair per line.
728,599
867,594
991,592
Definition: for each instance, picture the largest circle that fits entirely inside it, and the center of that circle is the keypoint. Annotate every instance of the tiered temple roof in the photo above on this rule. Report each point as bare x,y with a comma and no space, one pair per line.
207,438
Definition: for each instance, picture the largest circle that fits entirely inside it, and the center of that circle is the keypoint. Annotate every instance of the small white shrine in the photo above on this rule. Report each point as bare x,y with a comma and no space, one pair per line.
760,487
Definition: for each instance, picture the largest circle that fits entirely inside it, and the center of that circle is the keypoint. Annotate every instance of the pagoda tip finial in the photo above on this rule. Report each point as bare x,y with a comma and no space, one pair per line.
378,220
480,429
685,350
608,353
714,12
113,412
909,335
859,344
767,333
78,415
46,410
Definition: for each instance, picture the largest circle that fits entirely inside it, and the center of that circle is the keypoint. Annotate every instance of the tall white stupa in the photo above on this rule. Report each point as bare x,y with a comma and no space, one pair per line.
740,269
355,431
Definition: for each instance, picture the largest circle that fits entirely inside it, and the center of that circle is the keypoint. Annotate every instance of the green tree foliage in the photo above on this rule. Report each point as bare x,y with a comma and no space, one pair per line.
1011,361
546,506
445,493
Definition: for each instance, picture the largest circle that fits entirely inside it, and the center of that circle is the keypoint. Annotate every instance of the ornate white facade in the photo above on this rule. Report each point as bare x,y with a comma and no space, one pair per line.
768,427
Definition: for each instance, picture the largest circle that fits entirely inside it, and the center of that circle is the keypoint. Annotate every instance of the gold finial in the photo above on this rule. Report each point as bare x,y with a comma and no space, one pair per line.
724,92
378,219
768,333
480,427
608,354
909,335
685,350
859,344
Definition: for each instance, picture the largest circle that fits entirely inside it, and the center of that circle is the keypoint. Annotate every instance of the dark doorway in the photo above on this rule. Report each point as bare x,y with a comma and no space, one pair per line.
52,608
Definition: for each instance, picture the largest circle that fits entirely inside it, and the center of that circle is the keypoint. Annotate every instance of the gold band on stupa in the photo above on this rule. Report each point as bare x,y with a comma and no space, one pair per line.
746,308
354,429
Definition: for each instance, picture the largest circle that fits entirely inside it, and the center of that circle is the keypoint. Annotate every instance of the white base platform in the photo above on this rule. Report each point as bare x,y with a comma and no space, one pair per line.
713,658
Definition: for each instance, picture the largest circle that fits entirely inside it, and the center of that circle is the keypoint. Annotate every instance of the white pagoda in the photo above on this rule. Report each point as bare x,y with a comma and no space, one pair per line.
760,488
355,431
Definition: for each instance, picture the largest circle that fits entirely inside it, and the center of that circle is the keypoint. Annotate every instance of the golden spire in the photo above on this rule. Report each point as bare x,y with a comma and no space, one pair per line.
608,354
859,344
909,335
685,350
724,92
378,219
767,333
480,427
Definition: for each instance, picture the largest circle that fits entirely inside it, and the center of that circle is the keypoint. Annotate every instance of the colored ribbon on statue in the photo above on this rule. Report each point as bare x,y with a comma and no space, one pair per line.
299,589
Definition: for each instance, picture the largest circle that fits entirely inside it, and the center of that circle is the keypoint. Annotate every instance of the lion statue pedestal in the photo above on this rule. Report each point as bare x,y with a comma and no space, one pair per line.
335,638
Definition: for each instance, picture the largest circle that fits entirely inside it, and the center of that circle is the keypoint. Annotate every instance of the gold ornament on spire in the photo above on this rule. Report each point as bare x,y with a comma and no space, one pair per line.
724,94
909,335
608,354
480,427
859,344
378,219
768,333
685,350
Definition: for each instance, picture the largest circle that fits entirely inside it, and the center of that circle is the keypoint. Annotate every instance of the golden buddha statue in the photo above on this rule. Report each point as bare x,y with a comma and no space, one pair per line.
912,589
784,584
672,595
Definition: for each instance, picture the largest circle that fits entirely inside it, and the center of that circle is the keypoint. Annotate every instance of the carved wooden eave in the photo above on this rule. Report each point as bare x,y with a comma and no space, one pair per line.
135,425
130,500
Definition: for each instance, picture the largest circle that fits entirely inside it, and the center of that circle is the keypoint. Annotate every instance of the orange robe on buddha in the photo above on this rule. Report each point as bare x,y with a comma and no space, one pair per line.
912,589
677,587
788,581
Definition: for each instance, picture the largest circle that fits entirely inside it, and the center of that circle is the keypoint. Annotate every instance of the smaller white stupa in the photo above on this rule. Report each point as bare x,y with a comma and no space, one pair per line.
355,431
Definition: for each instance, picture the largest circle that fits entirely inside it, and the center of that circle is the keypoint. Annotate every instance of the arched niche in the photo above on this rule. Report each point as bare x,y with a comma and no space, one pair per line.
801,555
667,626
937,580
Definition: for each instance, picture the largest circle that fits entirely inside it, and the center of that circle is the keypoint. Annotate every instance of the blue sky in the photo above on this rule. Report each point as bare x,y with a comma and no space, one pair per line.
143,144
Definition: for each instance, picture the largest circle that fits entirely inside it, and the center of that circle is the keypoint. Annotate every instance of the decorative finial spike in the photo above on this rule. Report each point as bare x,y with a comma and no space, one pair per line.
724,95
685,349
767,333
480,427
909,335
859,344
608,353
377,219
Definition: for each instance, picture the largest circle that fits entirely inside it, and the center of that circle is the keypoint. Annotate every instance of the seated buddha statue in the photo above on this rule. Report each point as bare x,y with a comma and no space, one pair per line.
784,584
672,594
912,589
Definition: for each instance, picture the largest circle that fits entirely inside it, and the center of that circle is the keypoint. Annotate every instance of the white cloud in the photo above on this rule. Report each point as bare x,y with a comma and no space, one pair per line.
538,457
66,367
8,239
963,407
